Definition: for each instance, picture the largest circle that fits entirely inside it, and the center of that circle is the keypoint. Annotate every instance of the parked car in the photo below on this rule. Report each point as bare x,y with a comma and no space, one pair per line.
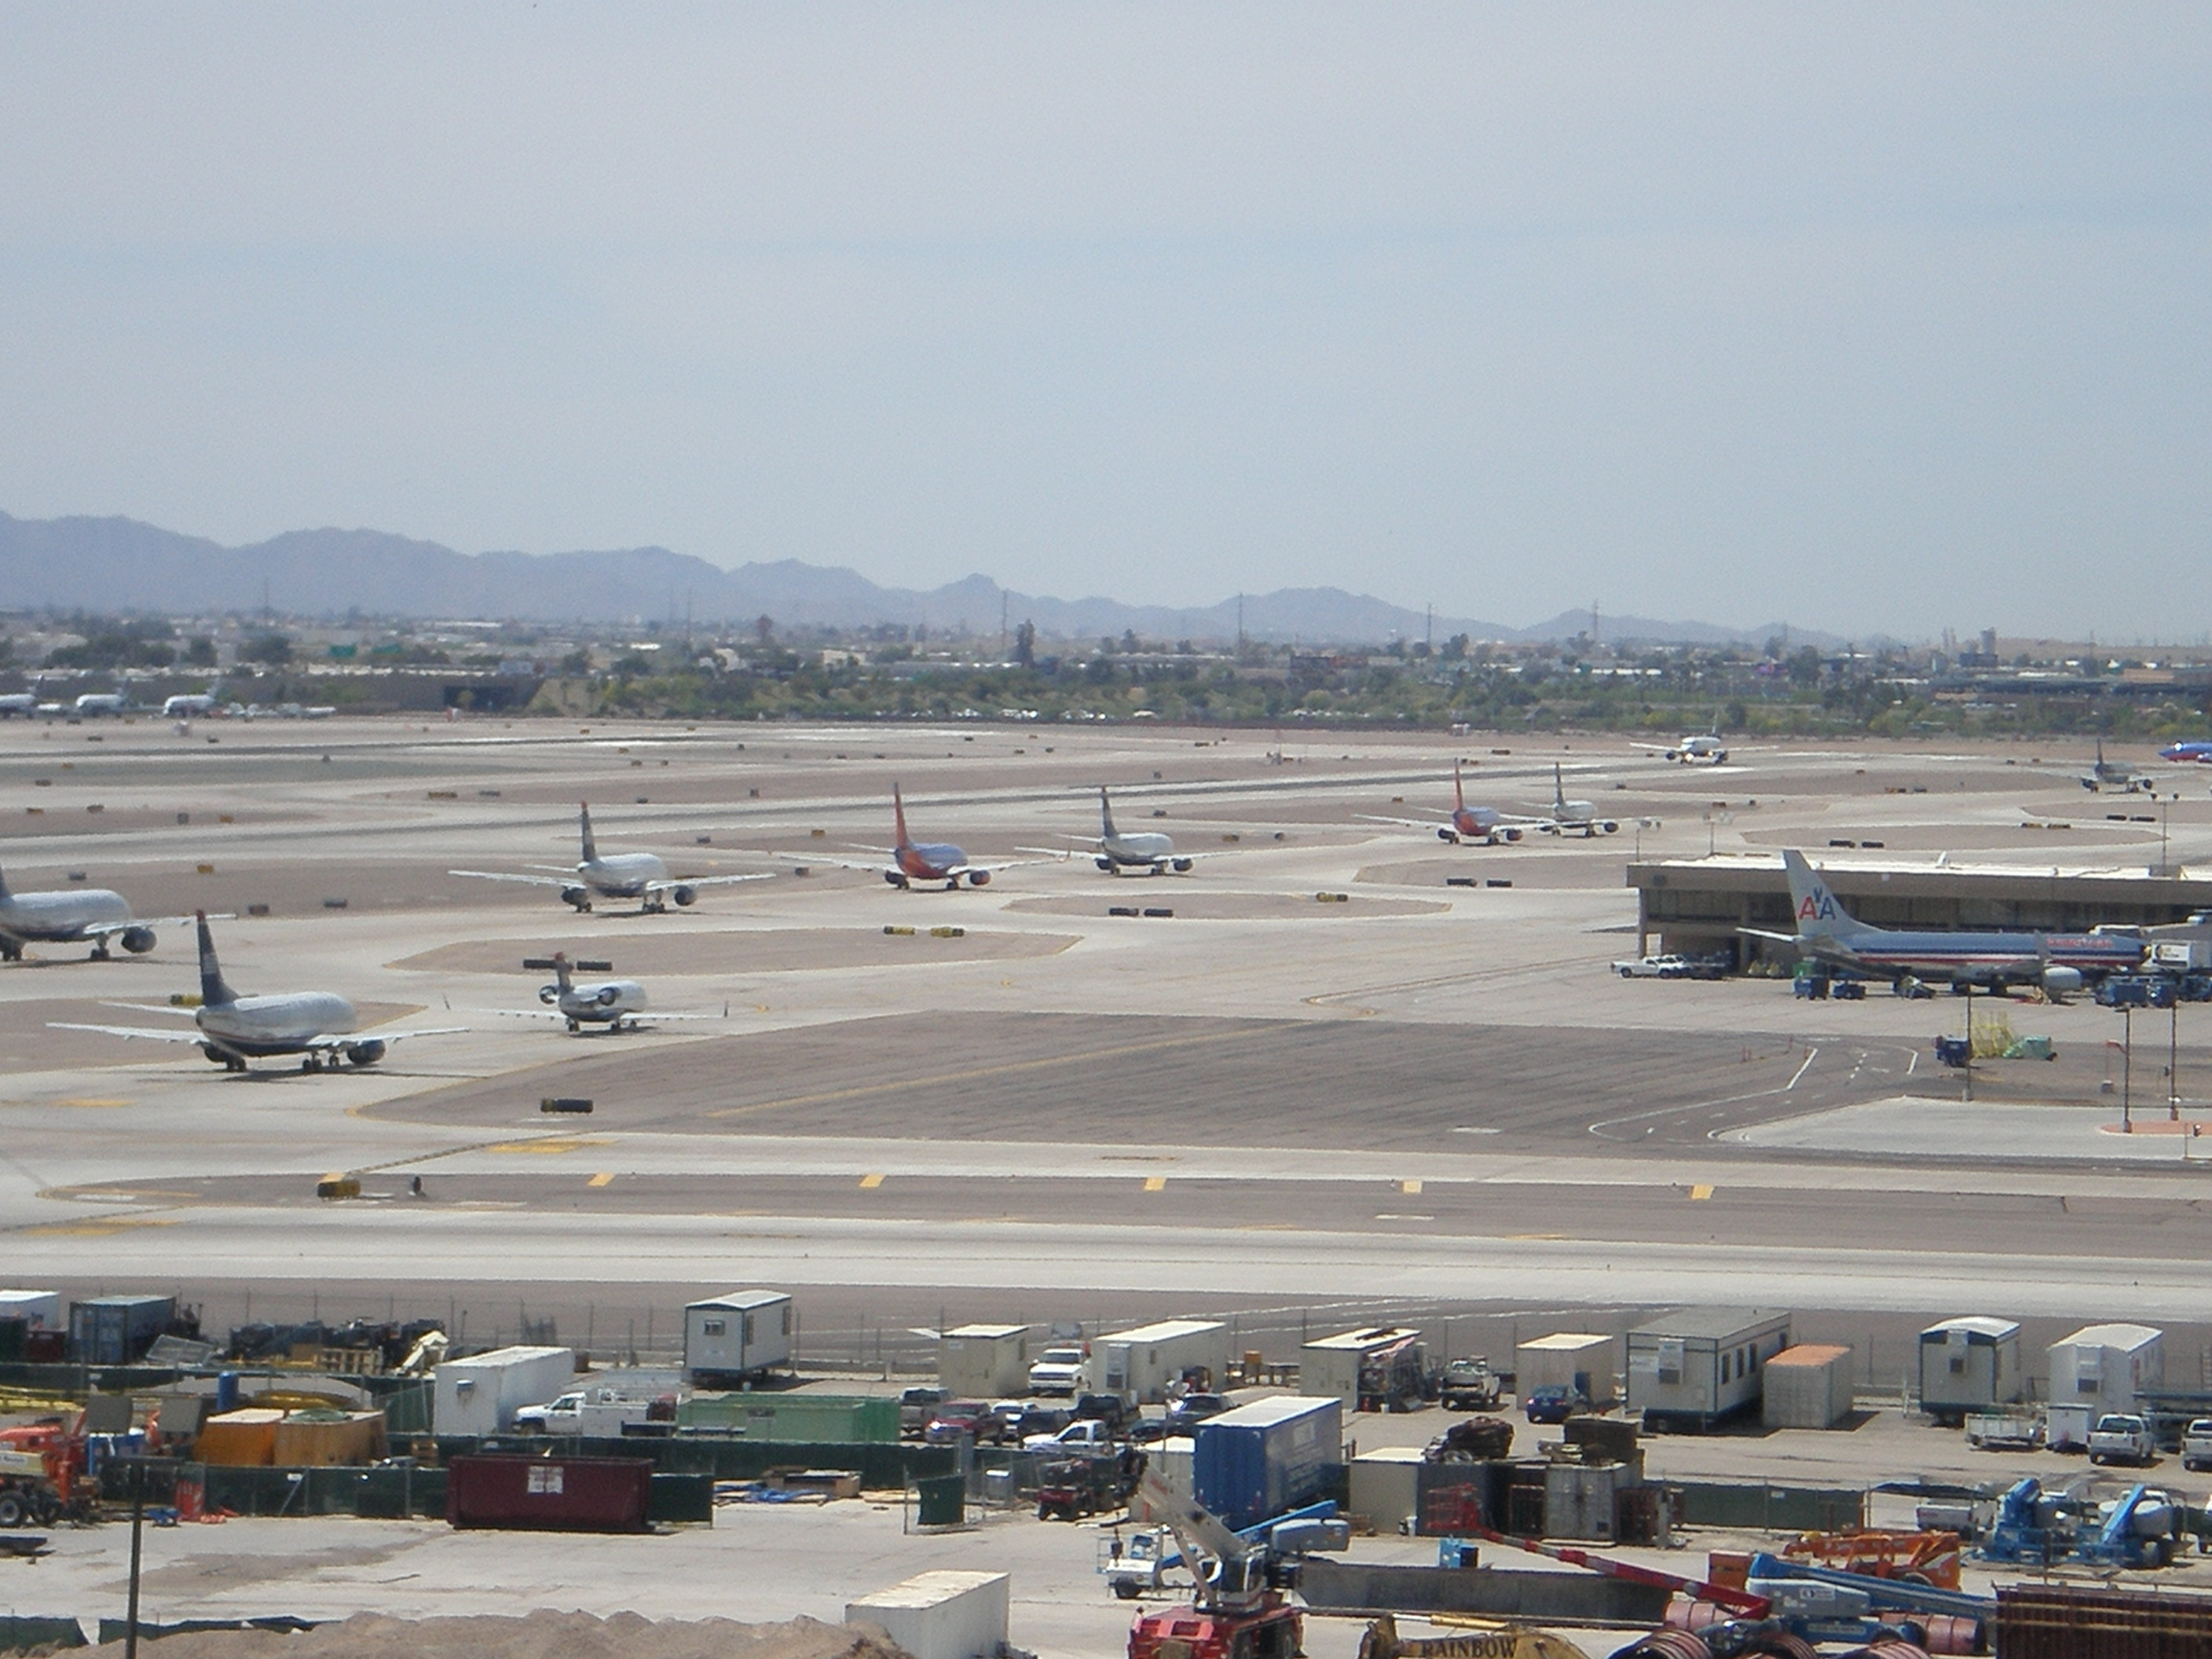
2197,1444
1107,1408
956,1418
917,1406
1468,1385
1670,966
1554,1403
1040,1419
1087,1434
1191,1411
2122,1437
1007,1419
1057,1370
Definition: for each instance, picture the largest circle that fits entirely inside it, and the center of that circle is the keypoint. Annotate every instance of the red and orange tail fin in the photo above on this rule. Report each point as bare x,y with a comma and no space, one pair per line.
898,819
1459,790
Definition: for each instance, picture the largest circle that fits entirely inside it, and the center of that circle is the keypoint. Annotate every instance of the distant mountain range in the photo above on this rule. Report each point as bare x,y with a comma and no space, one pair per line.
119,564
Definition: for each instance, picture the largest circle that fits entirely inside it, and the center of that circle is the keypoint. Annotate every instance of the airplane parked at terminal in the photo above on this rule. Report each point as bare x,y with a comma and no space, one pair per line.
1573,817
2112,774
616,1003
640,876
1147,850
924,861
186,704
2196,749
231,1030
1466,823
75,915
25,703
93,703
2059,963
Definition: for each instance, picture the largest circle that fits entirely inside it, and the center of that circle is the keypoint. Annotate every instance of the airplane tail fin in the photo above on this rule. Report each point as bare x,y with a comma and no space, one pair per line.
1105,814
1559,791
5,894
898,818
214,993
1820,915
560,975
1459,790
591,846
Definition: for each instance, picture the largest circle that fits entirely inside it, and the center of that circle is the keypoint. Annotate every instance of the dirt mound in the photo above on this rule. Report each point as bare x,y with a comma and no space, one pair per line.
541,1635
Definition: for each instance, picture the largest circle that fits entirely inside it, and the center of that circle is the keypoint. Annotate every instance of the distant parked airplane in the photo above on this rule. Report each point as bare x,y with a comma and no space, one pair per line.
75,915
2059,963
232,1030
104,702
640,876
914,861
1466,823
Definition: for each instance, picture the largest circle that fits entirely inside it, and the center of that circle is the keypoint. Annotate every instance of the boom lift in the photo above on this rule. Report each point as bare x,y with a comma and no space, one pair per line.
1240,1610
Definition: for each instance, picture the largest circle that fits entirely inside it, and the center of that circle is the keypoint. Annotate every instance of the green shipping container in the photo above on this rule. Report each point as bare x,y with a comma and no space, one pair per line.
821,1418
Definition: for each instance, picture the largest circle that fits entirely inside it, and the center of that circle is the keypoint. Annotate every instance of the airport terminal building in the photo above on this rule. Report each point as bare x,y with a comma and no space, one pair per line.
1700,904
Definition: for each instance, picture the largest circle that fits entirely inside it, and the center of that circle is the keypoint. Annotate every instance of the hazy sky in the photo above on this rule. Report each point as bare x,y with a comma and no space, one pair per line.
1865,317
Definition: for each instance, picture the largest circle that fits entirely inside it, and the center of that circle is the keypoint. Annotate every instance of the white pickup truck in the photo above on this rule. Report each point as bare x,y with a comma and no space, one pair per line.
2122,1437
2196,1445
596,1413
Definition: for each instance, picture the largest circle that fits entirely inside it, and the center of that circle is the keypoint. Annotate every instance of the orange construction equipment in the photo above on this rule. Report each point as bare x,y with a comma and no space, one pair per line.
1920,1558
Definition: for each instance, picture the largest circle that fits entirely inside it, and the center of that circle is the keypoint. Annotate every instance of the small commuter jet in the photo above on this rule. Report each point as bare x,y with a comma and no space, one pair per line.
913,861
1479,824
232,1029
2196,749
1573,817
77,915
1148,850
2058,962
2112,774
616,1003
640,876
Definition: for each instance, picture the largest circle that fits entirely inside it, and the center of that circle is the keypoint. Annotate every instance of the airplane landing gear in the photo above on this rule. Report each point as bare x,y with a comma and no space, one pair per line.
98,951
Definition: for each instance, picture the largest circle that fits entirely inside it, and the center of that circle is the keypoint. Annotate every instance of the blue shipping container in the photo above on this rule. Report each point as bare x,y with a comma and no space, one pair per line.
1261,1460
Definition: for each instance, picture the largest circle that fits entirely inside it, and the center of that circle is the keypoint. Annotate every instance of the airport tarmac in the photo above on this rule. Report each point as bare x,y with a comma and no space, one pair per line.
1269,1103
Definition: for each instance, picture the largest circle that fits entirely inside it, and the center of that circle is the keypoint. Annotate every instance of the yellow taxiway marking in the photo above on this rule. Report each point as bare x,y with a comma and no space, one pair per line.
1700,1193
97,1228
1156,1184
869,1182
863,1091
601,1179
1409,1186
545,1146
91,1101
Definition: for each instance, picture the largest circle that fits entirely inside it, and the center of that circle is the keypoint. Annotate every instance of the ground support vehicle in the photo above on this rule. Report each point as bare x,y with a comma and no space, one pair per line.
916,1406
28,1496
2122,1437
1469,1385
2039,1529
1072,1487
2196,1445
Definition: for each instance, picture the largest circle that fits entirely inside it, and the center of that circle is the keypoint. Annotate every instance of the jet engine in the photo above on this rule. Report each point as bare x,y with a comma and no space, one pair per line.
1107,865
979,878
893,879
579,896
684,896
2060,981
1509,832
608,996
365,1053
1451,836
1607,827
137,940
548,995
1182,865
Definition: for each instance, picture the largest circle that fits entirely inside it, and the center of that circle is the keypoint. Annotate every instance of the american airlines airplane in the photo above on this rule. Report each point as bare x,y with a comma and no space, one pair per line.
2059,963
76,915
640,876
1476,824
616,1003
231,1030
913,861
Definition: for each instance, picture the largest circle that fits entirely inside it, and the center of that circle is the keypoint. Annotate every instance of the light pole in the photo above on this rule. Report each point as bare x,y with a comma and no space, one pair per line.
1968,1071
2172,1059
2127,1067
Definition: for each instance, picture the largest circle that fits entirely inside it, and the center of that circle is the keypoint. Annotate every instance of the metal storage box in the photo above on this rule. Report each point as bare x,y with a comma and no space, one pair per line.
1700,1366
728,1338
1140,1363
1969,1364
39,1310
1272,1455
984,1362
1808,1386
481,1395
114,1330
2105,1366
550,1494
1569,1359
1386,1486
945,1614
821,1419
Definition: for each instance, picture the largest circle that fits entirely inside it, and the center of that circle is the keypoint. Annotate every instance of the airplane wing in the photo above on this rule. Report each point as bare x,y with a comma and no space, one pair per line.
706,881
347,1040
131,1032
509,875
1406,824
1057,854
109,929
178,1009
884,863
1761,933
994,869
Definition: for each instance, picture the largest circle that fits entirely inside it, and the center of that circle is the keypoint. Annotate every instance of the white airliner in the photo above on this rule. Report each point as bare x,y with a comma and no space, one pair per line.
185,705
1573,817
1147,850
93,703
616,1003
640,876
25,703
1707,745
913,861
76,915
231,1030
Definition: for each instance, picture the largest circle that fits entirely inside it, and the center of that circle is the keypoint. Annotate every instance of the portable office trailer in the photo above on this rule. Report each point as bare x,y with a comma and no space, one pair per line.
1571,1359
984,1362
40,1310
727,1339
1263,1459
1808,1386
2105,1366
1700,1366
481,1395
1969,1364
114,1330
1343,1367
1139,1364
1386,1486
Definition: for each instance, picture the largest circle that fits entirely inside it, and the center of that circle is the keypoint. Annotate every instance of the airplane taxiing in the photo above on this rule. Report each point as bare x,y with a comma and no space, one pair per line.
616,1003
1479,824
1707,745
77,915
2114,774
913,861
230,1029
1147,850
1573,817
2058,962
2196,749
642,876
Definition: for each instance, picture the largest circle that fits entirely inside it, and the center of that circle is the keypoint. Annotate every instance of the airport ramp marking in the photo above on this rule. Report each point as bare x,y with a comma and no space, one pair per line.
603,1178
861,1091
95,1227
1409,1187
869,1182
1700,1193
1156,1184
550,1147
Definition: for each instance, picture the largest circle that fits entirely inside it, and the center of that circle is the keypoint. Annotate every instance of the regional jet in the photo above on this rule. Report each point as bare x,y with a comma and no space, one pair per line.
2059,963
913,861
640,876
1147,850
77,915
616,1003
1466,823
230,1029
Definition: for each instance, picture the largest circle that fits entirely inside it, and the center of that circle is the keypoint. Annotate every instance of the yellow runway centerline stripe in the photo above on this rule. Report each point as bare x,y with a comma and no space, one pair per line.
546,1146
602,1178
1700,1193
1156,1184
863,1091
869,1182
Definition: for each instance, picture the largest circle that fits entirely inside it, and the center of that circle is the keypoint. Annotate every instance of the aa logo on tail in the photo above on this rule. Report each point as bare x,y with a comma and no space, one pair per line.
1817,907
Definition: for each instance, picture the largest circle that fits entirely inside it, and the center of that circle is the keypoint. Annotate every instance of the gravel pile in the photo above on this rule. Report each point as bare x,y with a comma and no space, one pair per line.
541,1635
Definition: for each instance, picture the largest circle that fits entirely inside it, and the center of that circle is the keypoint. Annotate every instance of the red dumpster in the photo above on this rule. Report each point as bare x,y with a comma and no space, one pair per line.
549,1494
